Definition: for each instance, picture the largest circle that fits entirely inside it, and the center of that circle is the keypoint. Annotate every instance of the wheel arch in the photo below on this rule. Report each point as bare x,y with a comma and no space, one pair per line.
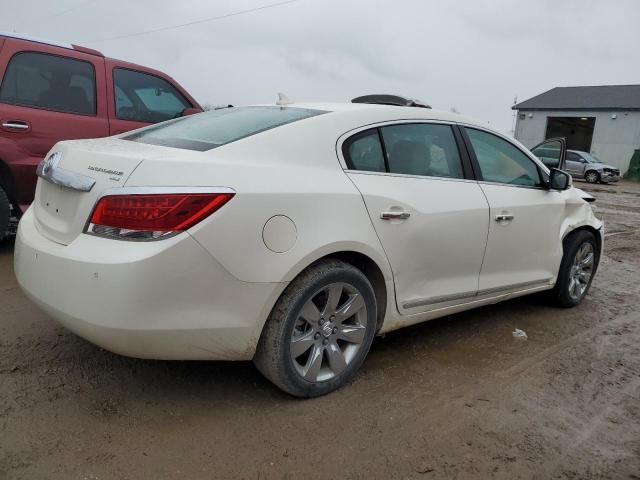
380,277
374,274
588,228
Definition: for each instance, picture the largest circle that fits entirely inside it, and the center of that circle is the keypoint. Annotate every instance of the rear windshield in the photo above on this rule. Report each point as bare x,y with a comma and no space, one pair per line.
218,127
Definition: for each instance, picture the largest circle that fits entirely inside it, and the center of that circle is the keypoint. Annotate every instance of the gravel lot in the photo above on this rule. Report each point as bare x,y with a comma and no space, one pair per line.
454,398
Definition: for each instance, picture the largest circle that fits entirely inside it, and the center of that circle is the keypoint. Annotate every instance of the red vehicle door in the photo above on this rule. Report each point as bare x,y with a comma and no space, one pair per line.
47,94
141,96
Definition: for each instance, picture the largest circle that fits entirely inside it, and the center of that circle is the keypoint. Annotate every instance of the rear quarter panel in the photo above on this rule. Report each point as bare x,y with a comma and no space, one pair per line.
300,178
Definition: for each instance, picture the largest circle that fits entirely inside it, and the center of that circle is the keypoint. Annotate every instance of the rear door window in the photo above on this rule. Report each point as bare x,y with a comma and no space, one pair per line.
364,152
50,82
218,127
140,97
422,149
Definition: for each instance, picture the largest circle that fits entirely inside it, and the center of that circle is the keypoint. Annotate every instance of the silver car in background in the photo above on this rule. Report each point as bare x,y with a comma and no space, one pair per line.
586,166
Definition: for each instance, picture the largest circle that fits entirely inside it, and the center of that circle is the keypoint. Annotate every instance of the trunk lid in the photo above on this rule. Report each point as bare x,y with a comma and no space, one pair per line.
61,213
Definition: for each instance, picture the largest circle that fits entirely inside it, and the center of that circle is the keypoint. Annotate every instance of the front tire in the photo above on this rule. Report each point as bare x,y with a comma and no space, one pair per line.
592,176
5,213
577,269
319,331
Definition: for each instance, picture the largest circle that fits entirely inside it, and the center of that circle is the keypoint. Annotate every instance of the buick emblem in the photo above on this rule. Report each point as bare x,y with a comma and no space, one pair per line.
327,329
51,162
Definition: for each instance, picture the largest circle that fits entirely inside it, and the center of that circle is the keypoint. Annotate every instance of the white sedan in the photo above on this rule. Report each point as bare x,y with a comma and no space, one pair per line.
293,234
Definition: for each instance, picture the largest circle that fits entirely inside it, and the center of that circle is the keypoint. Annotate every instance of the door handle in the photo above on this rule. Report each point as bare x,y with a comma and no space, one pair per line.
394,215
504,217
15,125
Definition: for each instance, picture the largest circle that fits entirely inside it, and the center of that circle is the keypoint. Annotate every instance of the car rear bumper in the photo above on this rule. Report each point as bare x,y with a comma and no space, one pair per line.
168,299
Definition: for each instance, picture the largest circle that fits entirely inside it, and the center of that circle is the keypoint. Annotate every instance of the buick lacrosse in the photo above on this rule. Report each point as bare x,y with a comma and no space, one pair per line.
292,234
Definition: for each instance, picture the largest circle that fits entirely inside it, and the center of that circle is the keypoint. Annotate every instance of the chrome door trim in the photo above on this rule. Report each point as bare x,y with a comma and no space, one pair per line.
534,283
421,302
394,215
17,126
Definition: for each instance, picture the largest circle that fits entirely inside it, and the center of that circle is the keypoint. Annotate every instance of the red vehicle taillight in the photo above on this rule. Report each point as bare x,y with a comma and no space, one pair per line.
152,216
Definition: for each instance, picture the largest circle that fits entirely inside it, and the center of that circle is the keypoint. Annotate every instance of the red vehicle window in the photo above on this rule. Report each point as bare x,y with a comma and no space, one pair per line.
50,82
141,97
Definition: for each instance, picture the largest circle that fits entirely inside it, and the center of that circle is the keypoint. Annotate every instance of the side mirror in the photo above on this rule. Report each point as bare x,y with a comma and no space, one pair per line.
190,111
559,180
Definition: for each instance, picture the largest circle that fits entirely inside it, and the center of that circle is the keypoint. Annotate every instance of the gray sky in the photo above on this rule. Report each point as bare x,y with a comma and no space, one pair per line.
474,55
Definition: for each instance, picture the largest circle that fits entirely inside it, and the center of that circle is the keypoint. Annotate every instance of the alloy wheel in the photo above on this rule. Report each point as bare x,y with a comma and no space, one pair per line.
581,270
592,177
328,332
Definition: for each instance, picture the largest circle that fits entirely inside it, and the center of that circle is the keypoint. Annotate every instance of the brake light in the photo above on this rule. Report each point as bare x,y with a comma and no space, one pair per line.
152,216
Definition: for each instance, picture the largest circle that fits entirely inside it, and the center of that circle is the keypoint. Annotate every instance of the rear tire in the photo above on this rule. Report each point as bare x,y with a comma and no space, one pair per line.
592,176
577,269
5,213
320,330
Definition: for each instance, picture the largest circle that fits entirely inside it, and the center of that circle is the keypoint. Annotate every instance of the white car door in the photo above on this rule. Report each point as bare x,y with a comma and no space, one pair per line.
431,218
524,246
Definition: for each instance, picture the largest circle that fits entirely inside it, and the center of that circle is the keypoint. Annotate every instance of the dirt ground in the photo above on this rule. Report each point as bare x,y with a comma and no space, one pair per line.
458,397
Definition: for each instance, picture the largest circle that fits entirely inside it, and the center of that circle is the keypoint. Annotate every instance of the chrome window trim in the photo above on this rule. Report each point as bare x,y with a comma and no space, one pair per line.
525,152
543,189
354,131
406,175
345,136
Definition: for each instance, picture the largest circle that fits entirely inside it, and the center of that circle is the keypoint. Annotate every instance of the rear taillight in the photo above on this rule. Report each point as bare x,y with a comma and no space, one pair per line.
152,216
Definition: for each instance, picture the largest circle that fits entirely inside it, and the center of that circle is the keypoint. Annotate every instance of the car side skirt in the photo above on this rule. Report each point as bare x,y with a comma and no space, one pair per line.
451,306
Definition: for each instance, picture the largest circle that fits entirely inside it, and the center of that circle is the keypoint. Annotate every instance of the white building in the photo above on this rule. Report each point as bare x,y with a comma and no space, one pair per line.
603,120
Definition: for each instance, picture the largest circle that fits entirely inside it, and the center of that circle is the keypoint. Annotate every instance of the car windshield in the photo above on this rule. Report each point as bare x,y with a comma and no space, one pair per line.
212,129
590,158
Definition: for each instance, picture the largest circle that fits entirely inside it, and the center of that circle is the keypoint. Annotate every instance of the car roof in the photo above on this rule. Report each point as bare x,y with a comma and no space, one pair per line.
52,43
381,113
72,46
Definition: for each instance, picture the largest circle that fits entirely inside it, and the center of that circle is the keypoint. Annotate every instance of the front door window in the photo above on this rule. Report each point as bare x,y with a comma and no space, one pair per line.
502,162
140,97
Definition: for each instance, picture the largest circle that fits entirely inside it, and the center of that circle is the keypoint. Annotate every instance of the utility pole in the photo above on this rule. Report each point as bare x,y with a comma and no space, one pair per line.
513,122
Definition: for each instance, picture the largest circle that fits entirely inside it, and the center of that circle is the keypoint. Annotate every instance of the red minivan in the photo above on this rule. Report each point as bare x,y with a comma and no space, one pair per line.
53,91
